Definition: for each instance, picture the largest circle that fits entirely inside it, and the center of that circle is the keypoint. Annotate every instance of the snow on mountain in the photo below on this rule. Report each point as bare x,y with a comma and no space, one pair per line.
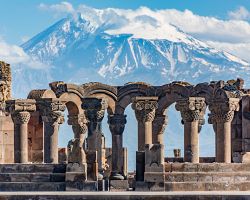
78,49
110,47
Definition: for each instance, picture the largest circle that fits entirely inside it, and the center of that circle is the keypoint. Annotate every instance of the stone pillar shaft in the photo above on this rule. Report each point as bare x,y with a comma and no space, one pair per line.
21,137
141,135
223,141
117,124
192,110
191,142
19,110
222,114
159,124
51,142
145,112
51,111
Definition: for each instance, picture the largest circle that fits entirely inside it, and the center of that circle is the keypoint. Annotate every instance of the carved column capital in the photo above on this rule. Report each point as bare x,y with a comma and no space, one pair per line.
51,110
94,108
223,110
21,117
117,123
20,109
145,108
191,109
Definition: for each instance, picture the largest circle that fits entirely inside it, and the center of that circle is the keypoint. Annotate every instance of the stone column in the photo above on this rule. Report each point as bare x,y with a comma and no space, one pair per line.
51,111
76,153
94,109
222,113
19,110
145,112
116,125
159,125
191,110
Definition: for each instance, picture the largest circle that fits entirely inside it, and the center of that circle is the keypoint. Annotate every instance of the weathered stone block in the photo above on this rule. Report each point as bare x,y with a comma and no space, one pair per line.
119,185
141,186
82,186
154,154
154,177
174,177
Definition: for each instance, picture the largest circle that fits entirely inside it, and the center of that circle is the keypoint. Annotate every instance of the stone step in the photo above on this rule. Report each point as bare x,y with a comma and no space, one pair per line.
32,186
232,177
205,186
32,177
32,168
207,167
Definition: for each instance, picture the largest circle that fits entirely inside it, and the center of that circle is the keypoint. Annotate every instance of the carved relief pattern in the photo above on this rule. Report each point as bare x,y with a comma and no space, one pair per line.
191,109
21,117
58,87
21,105
51,110
117,123
94,108
145,109
5,82
159,124
223,111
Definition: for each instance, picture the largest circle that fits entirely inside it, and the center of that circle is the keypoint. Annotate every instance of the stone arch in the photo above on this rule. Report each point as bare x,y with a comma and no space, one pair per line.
73,103
43,93
99,90
170,93
130,90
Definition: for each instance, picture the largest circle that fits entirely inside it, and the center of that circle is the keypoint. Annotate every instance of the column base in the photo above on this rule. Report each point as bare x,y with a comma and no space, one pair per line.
116,176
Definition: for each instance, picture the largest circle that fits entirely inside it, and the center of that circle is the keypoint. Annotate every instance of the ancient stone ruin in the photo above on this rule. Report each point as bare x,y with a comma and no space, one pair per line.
31,160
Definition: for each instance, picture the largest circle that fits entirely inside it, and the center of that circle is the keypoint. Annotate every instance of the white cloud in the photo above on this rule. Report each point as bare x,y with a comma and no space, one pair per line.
239,14
240,49
231,34
60,8
14,55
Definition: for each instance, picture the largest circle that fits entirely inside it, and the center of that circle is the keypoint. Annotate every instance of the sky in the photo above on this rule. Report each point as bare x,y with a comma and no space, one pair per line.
20,20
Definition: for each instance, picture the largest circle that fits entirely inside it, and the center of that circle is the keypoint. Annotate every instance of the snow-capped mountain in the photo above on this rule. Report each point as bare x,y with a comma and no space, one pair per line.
105,46
79,50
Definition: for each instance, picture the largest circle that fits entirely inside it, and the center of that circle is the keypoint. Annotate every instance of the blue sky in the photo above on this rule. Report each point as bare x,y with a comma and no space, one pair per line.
23,19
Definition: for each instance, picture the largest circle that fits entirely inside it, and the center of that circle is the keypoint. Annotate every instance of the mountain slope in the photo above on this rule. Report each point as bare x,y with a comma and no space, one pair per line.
80,50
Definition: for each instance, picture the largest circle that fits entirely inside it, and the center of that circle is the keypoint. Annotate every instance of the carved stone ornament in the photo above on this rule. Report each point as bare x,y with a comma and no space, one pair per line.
159,123
21,117
191,108
77,119
145,108
59,87
117,123
223,110
94,108
20,105
51,110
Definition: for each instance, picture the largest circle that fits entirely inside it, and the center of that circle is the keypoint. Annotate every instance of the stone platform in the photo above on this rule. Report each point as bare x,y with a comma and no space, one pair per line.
195,195
207,177
32,177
